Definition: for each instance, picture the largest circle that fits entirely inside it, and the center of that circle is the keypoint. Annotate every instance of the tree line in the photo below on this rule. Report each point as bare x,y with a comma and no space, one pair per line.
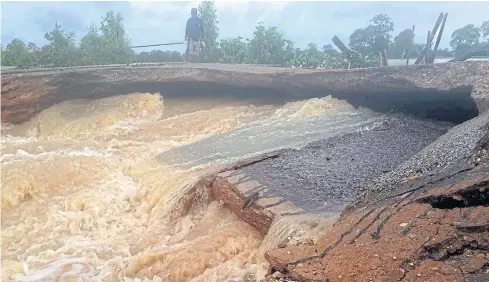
108,43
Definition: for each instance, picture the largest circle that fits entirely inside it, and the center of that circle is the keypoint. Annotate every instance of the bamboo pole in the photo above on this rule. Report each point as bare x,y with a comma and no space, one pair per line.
346,52
438,39
466,56
429,40
385,61
428,44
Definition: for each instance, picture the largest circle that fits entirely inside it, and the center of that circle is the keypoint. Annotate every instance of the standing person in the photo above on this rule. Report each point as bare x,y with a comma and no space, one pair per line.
194,32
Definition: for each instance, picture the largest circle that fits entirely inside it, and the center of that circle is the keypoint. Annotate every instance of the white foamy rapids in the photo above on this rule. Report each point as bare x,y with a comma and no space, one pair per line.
314,107
82,118
85,196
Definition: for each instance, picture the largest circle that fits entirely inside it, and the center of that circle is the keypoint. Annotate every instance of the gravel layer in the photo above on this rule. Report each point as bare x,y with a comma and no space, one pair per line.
457,150
334,171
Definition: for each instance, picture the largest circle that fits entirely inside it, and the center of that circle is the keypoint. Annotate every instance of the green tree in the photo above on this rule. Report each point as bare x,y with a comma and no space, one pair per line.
116,46
91,48
175,57
61,50
311,57
465,39
2,60
373,37
34,53
210,48
15,53
484,30
405,39
233,51
156,56
361,40
382,25
328,49
20,55
268,46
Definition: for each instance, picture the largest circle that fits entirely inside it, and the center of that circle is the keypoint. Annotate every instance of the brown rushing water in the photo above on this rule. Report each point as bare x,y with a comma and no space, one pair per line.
86,195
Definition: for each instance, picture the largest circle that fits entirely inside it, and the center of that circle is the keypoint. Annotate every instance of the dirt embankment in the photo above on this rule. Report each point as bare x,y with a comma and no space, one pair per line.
456,91
424,217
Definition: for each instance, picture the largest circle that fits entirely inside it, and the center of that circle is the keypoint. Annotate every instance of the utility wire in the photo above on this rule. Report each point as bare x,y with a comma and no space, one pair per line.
175,43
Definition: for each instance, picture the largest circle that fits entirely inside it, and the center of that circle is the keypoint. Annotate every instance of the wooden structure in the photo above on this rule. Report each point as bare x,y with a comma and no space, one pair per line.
347,52
427,55
429,40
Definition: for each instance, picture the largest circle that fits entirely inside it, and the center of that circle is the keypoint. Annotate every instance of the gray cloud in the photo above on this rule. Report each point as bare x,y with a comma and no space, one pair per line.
302,22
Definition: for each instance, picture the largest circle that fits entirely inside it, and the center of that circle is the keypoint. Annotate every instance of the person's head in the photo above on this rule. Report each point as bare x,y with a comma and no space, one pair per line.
193,12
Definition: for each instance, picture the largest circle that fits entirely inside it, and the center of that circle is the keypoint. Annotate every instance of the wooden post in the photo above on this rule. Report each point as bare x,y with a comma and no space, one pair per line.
385,61
429,46
429,40
407,49
466,56
340,45
438,39
346,52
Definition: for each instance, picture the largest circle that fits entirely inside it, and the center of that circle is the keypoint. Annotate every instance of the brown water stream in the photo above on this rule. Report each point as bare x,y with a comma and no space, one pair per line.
87,192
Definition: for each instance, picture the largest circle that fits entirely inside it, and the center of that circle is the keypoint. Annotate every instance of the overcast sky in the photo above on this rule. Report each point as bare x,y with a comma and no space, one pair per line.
302,22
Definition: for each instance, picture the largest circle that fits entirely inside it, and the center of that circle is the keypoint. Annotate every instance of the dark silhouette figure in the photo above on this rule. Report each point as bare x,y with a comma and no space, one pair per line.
194,33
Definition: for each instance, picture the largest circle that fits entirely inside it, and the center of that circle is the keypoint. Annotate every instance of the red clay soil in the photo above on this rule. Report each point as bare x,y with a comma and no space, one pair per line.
28,91
442,235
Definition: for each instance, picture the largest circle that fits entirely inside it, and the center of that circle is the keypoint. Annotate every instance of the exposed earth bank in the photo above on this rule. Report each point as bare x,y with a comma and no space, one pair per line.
416,190
426,219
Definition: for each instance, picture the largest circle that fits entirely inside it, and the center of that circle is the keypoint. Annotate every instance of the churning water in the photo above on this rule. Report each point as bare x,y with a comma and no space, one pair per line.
88,187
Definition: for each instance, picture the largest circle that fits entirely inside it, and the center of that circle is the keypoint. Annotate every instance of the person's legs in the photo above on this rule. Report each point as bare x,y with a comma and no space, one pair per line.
197,50
194,50
191,50
187,51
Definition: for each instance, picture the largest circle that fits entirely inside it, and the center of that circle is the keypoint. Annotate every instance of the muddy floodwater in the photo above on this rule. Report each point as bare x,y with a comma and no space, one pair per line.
88,187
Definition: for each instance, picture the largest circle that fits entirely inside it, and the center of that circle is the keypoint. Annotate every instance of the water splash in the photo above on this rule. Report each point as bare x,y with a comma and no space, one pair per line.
88,196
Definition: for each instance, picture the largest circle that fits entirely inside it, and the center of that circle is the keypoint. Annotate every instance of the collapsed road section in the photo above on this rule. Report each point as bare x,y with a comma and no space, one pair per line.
409,187
452,91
